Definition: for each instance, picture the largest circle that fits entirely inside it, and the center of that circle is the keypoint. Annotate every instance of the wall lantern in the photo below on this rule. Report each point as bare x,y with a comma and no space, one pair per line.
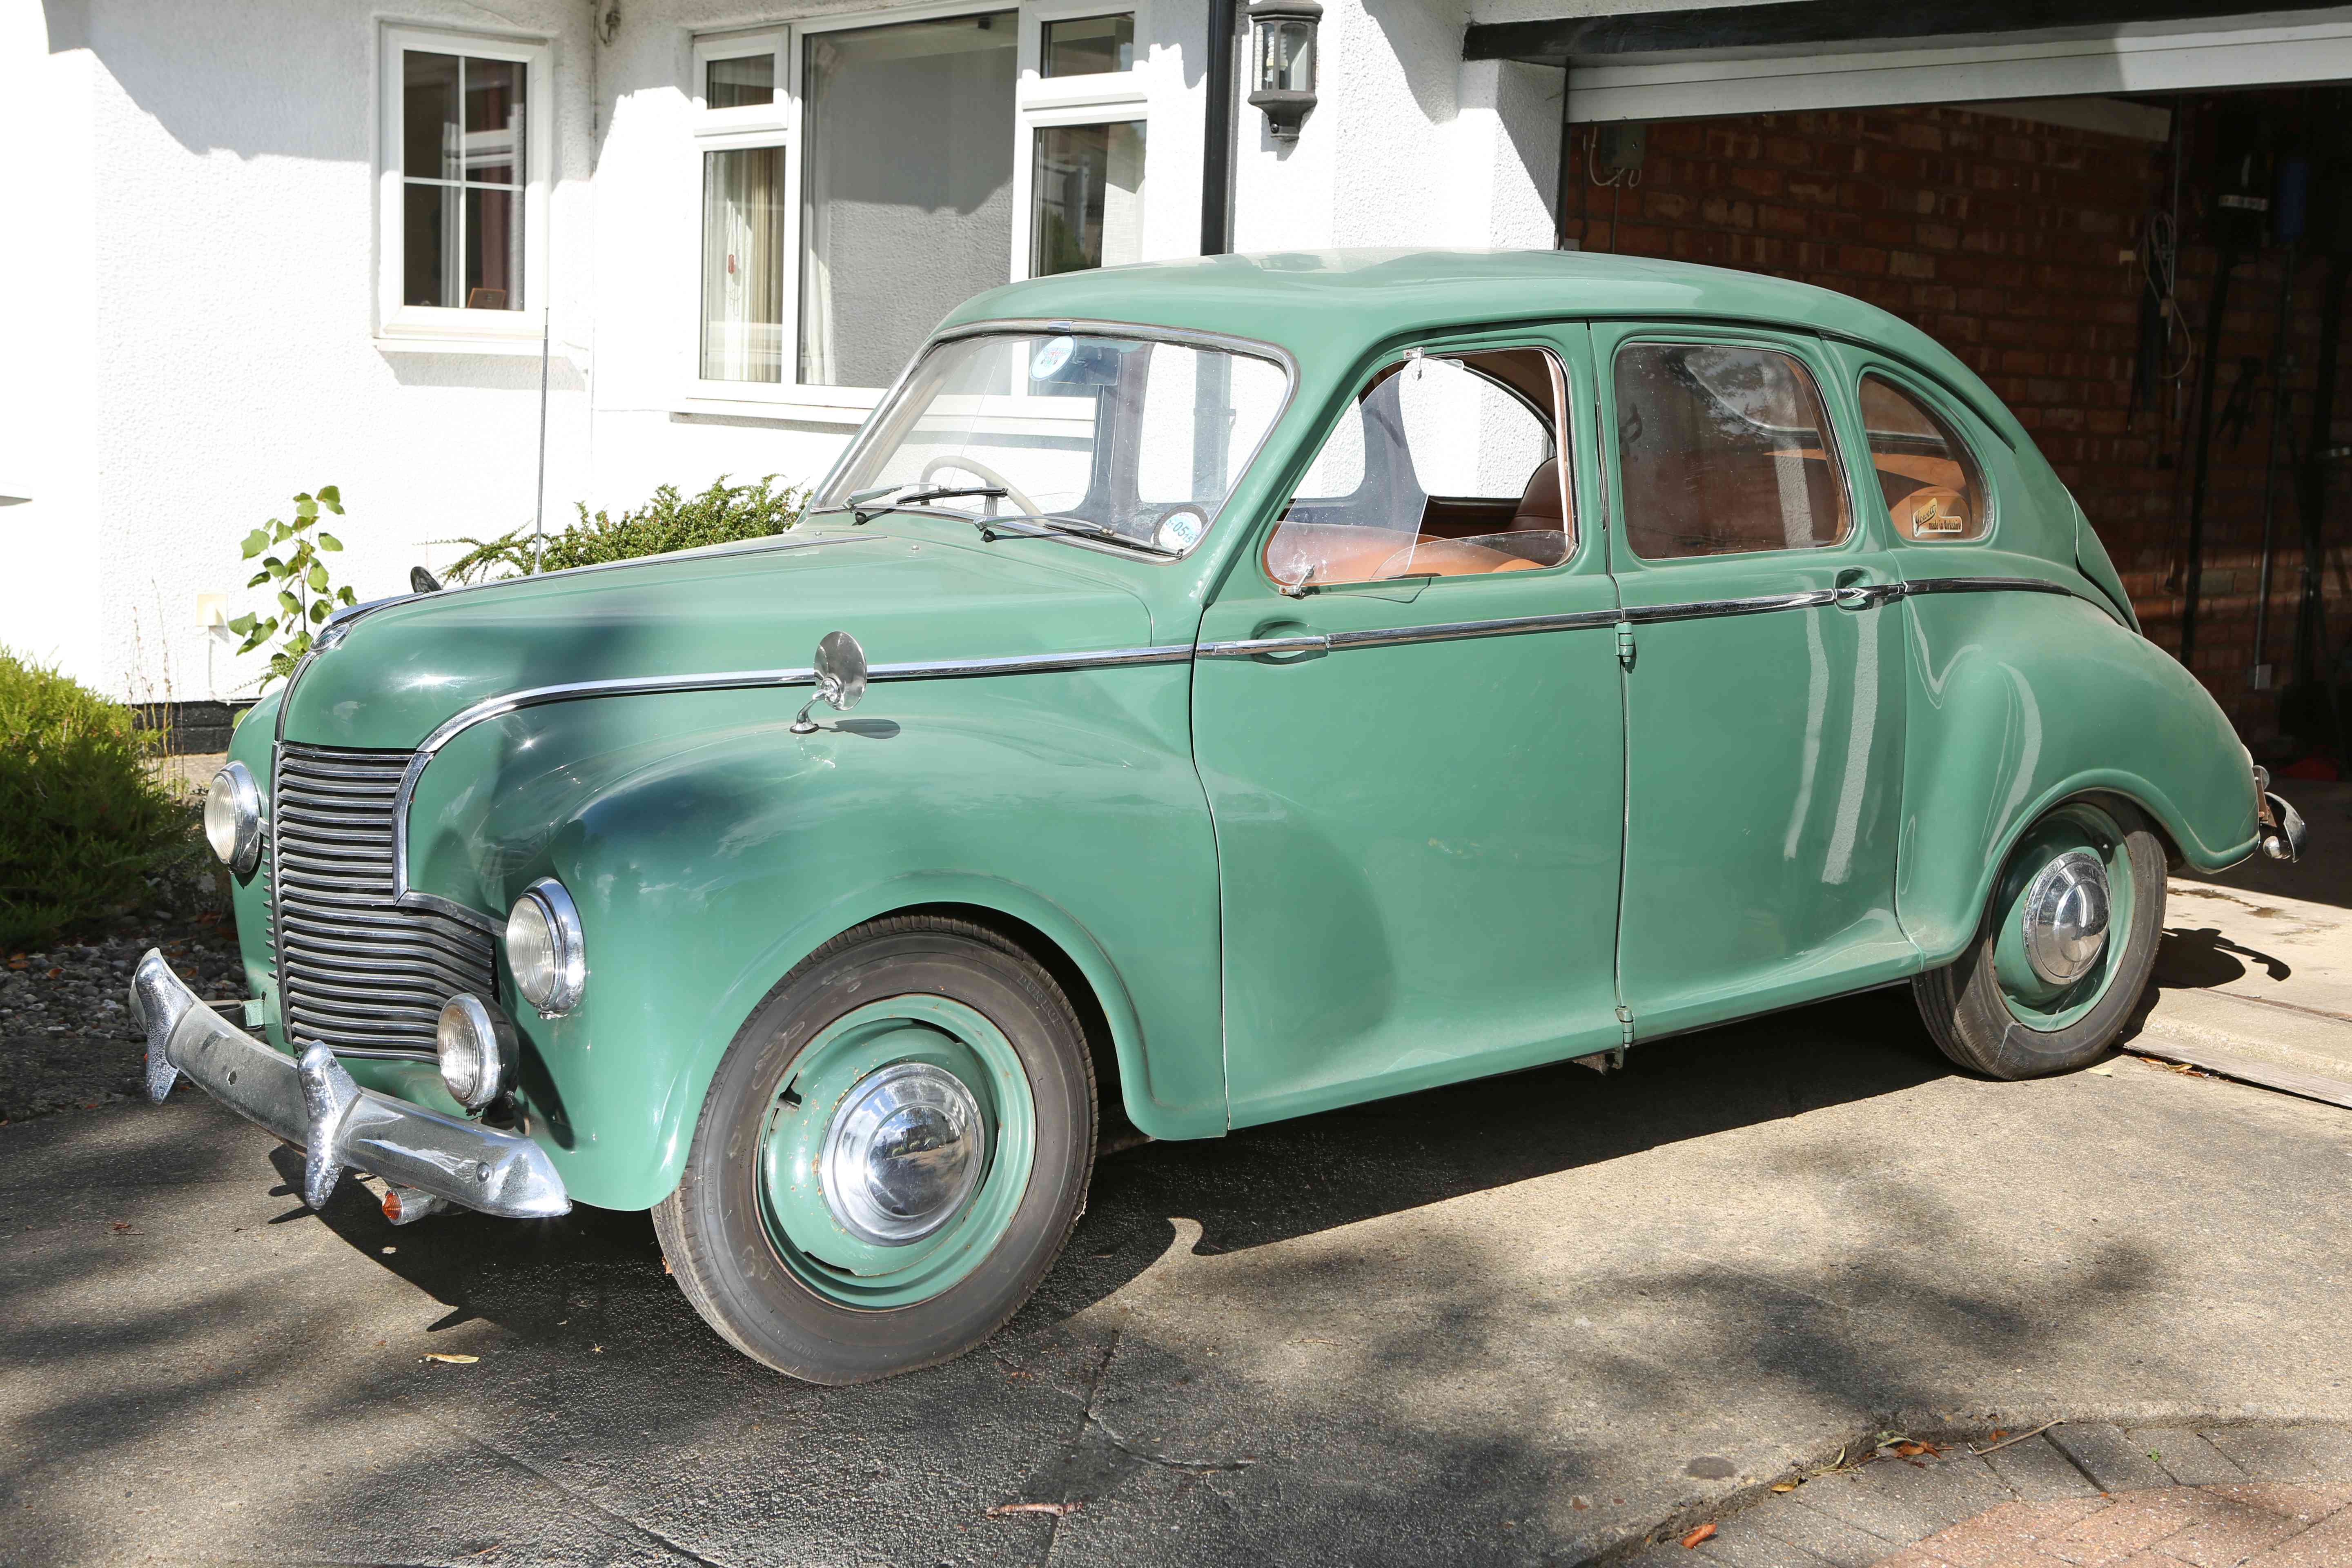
1285,62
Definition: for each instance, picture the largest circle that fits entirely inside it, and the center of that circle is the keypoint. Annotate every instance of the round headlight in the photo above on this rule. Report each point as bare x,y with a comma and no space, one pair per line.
476,1043
233,819
543,947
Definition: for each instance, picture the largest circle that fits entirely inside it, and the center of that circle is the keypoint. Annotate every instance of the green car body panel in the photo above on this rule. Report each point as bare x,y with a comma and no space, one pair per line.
1231,855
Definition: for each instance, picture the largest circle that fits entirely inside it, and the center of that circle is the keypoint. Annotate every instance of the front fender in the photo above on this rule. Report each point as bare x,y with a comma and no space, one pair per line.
709,850
2022,700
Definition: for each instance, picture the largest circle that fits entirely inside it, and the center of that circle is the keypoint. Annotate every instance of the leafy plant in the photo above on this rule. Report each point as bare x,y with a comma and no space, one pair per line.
717,515
305,593
84,822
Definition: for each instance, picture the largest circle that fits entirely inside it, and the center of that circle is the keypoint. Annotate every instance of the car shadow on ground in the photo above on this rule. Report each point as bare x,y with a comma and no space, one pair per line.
1252,1188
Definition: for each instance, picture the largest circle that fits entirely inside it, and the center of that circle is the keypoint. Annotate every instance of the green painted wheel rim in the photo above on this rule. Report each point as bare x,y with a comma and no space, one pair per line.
2038,1003
800,1226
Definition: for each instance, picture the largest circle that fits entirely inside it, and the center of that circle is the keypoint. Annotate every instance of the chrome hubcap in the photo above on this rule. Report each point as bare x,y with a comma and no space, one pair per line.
906,1148
2065,917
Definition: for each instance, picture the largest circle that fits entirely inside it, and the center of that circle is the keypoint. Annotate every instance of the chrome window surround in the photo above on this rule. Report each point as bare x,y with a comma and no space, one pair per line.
1009,326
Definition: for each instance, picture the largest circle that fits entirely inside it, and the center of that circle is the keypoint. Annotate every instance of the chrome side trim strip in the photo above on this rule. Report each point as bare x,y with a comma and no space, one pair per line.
1706,609
1987,586
729,680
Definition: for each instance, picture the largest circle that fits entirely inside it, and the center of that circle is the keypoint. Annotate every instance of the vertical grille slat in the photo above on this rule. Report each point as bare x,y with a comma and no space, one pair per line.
354,970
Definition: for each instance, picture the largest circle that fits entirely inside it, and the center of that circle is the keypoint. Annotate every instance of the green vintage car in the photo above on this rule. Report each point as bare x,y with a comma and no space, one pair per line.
1285,680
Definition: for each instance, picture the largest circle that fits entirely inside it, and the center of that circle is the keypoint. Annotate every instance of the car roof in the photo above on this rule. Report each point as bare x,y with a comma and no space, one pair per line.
1314,303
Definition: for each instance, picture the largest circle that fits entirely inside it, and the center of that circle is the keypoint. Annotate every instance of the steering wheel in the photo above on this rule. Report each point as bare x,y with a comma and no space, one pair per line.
979,469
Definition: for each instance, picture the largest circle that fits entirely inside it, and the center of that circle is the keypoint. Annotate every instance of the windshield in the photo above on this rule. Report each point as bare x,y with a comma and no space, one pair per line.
1131,438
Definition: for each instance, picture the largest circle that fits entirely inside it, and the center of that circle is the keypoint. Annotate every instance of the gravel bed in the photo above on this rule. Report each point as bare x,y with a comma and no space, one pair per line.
66,1042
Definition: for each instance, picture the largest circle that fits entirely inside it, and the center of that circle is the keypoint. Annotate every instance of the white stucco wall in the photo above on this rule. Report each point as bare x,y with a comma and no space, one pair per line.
205,264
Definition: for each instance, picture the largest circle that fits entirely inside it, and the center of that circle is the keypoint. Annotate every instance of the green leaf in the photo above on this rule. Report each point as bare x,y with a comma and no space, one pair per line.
258,579
332,498
329,542
346,596
288,602
256,542
318,610
241,625
299,644
316,577
278,532
278,569
305,509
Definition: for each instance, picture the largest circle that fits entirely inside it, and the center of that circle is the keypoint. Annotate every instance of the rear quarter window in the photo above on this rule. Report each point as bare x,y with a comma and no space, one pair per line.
1934,486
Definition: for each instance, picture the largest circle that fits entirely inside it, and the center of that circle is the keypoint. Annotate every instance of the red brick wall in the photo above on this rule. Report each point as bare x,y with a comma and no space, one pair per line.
2010,241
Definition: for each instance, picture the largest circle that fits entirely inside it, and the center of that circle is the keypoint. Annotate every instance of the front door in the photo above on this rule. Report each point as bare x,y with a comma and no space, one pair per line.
1764,703
1406,712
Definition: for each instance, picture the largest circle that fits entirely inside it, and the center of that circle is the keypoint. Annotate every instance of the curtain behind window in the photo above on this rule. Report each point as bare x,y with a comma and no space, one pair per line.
743,265
906,187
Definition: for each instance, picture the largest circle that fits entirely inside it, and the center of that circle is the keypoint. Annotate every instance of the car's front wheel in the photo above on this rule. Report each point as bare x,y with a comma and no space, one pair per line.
890,1155
2068,939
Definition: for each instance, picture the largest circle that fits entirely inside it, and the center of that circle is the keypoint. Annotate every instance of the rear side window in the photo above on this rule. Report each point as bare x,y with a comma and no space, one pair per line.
1724,449
1934,489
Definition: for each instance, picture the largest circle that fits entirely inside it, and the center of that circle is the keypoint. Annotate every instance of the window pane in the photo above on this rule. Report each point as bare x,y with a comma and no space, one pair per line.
1722,450
906,199
428,116
493,248
429,239
494,118
1445,468
1142,437
1090,45
1934,490
745,80
1087,197
743,265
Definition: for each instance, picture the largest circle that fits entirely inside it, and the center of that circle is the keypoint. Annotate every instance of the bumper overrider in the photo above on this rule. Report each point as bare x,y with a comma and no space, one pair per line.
315,1105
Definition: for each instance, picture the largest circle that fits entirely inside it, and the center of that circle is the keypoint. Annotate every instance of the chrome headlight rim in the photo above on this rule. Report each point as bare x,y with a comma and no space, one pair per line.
474,1043
556,988
237,800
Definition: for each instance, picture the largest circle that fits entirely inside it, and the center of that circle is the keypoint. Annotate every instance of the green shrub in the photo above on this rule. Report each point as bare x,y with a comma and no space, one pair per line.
669,522
84,822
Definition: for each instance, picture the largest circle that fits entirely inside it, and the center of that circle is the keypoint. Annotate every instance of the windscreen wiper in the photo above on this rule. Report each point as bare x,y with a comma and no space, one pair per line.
865,505
1043,523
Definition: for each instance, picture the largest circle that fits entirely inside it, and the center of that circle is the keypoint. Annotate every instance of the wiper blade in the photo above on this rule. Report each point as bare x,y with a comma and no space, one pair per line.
1042,523
860,505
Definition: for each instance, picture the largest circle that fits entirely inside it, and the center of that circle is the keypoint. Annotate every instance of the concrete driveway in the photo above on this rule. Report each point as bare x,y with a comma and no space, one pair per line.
1520,1321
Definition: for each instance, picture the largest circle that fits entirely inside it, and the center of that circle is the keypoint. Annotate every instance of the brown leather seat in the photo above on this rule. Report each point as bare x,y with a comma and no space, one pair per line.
1541,509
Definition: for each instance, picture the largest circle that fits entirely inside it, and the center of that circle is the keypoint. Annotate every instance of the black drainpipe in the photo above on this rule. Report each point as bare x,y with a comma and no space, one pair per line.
1217,157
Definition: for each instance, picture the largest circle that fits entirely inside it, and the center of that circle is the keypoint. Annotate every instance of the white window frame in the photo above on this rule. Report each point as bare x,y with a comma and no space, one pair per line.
443,329
1090,99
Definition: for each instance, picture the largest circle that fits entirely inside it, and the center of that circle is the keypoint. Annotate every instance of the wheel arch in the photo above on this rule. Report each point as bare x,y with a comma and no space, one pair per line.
1032,921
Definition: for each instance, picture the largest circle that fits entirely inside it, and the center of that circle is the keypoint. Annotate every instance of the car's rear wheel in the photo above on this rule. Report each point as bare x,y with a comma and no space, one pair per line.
890,1156
2068,939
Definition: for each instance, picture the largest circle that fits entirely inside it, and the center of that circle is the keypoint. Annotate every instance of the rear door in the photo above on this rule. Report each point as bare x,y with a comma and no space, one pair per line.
1764,703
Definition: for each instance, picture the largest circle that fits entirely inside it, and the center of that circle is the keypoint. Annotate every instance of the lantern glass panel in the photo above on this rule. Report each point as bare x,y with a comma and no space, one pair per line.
1285,56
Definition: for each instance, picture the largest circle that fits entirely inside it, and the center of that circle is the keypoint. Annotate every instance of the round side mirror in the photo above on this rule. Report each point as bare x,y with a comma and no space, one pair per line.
840,670
840,667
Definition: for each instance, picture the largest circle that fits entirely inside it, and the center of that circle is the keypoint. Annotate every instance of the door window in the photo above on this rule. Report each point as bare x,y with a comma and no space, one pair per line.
1446,466
1722,450
1934,492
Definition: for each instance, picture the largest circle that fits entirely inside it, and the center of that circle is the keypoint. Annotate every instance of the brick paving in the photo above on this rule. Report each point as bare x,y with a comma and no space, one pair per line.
2081,1495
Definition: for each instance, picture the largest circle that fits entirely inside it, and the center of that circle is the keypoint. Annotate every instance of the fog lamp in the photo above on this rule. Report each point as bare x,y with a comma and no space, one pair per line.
476,1046
1285,62
544,949
233,819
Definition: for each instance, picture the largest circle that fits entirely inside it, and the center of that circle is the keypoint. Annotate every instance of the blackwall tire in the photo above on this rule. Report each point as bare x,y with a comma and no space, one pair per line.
762,1252
1981,1021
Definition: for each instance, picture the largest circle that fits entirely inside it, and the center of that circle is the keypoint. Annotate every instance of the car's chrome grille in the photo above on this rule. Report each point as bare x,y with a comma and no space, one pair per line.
354,970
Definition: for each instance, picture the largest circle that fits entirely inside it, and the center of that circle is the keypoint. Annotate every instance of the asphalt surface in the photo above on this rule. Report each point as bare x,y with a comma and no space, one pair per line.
1520,1321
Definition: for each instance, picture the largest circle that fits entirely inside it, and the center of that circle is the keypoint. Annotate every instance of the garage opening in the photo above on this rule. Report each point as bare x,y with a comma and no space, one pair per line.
2152,273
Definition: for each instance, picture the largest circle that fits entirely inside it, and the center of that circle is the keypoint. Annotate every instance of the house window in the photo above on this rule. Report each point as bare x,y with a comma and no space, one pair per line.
1087,46
464,185
862,176
906,186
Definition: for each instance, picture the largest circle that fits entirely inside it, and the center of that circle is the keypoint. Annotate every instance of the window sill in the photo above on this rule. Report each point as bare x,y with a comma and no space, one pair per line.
846,405
460,344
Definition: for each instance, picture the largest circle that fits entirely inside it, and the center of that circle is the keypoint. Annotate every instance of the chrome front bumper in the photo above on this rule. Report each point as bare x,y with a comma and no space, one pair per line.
314,1105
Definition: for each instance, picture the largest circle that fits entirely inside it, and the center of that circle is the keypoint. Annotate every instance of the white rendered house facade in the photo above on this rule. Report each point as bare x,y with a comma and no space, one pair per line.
258,246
